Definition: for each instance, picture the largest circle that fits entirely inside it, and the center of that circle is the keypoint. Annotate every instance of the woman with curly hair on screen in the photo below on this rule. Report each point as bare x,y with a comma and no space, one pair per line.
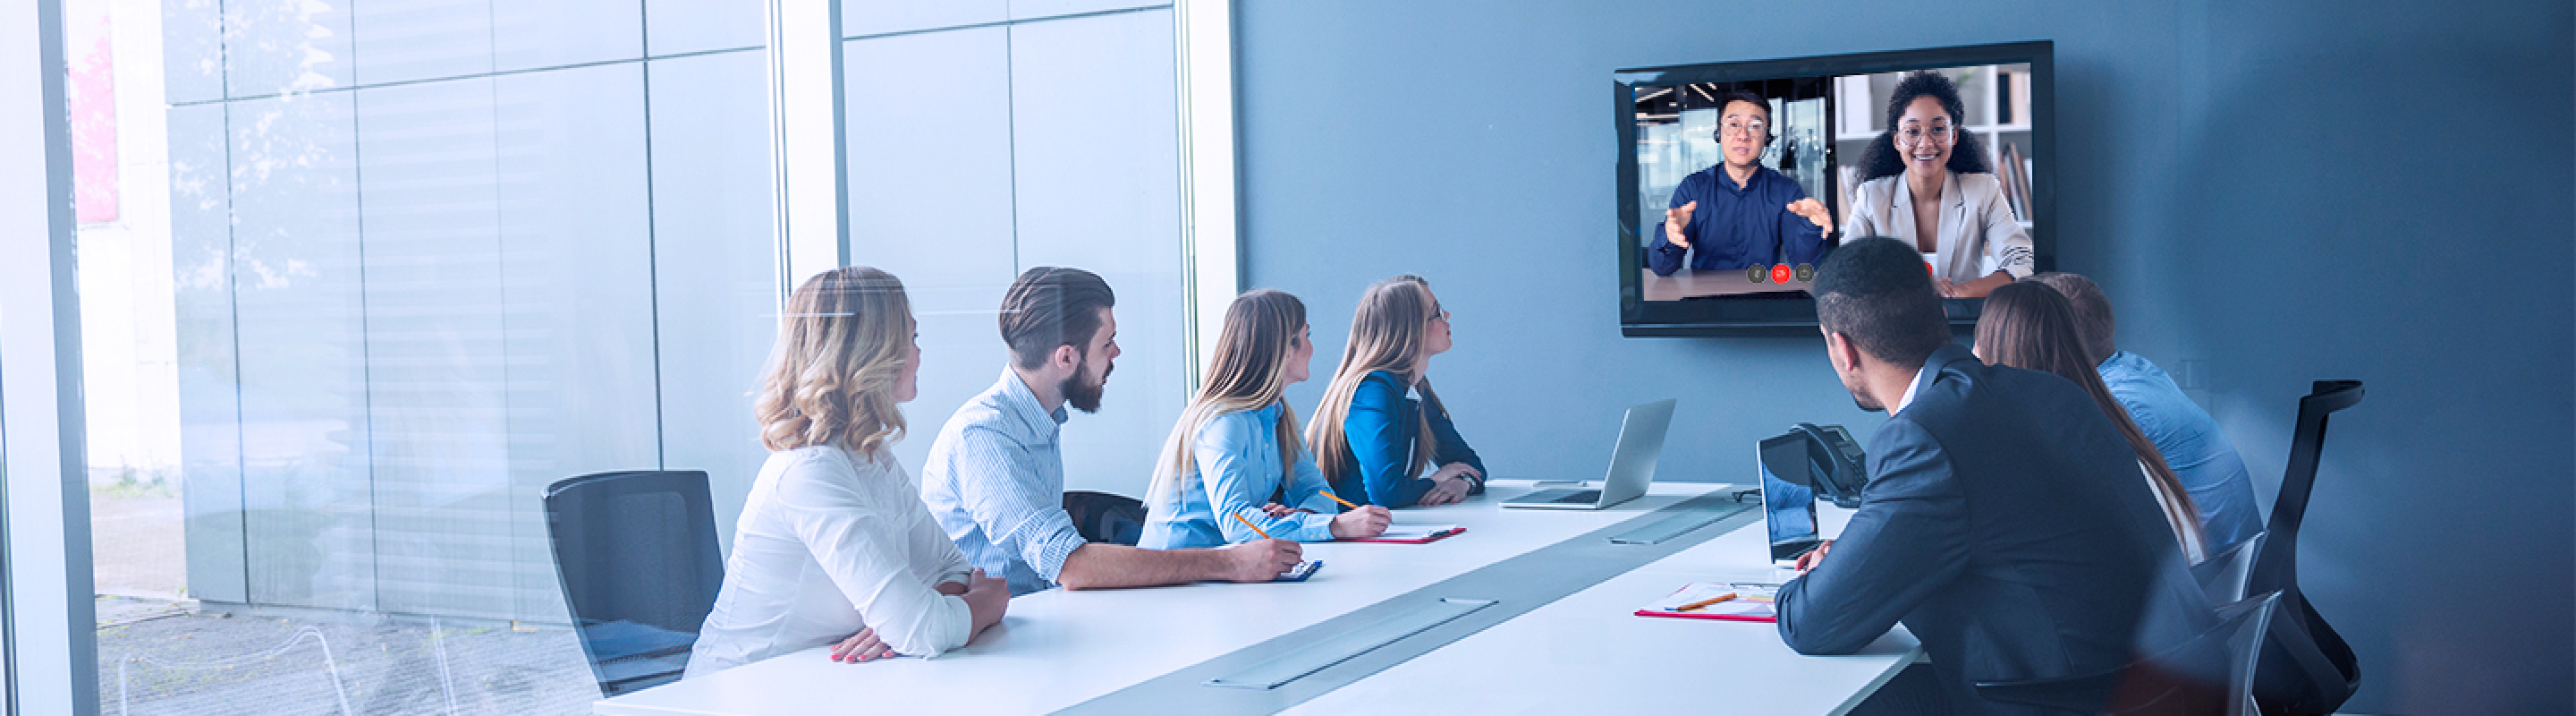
1926,182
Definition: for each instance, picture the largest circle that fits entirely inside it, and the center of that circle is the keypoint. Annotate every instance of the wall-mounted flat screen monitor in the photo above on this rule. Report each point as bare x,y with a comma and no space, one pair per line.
1736,179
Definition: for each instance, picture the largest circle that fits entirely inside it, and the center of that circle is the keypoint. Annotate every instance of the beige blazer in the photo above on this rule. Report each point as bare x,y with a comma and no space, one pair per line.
1978,235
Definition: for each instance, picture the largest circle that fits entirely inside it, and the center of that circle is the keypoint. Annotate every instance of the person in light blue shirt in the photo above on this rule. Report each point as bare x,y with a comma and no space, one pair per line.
995,476
1235,461
2208,464
1234,457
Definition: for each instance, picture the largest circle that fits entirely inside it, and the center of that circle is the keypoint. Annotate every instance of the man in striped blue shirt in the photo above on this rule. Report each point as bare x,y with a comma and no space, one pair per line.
995,475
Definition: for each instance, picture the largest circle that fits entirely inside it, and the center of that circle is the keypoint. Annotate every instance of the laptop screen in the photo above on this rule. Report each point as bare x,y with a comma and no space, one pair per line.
1788,502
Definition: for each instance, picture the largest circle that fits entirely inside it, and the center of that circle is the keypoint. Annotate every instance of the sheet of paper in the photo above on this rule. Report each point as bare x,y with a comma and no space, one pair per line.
1415,532
1743,599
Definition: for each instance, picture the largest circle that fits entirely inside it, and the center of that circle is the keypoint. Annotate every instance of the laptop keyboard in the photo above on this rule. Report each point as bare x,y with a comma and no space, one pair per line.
1580,497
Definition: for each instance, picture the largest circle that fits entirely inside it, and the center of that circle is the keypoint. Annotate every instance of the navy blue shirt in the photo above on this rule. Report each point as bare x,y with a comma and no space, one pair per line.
1735,227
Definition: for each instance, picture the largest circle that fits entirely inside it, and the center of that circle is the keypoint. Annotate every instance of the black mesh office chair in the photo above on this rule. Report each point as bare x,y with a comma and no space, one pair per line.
640,566
2211,674
2307,668
2223,576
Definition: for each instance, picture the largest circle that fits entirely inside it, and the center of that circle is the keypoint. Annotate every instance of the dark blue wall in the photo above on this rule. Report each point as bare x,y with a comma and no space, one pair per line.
2280,191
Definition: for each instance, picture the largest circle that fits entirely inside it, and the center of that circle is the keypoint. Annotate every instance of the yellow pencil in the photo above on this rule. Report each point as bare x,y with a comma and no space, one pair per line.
1695,606
1256,529
1338,498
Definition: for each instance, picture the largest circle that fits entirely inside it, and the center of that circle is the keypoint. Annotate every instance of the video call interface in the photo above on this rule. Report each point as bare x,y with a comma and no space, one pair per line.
1738,181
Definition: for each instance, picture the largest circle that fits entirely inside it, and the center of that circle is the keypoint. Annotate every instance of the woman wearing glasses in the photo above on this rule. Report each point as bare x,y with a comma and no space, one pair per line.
1740,213
1926,182
1374,442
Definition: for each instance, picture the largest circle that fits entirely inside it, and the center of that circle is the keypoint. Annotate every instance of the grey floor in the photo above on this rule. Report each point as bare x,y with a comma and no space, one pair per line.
186,663
158,655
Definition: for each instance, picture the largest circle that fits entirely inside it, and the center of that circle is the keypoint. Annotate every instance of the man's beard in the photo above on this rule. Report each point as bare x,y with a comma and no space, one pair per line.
1862,399
1082,395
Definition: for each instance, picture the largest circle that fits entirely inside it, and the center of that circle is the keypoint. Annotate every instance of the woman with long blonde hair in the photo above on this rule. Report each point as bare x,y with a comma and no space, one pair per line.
1236,447
834,544
1372,441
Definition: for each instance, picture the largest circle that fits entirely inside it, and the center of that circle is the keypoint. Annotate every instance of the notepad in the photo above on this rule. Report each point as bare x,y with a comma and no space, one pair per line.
1412,534
1300,572
1734,601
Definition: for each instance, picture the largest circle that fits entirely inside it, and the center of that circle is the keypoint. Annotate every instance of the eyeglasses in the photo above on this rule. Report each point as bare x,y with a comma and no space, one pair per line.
1910,136
1748,128
1437,314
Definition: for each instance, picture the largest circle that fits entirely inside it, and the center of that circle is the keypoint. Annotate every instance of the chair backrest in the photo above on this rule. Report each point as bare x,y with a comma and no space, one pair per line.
2223,575
2276,566
2307,667
2252,619
2210,673
640,565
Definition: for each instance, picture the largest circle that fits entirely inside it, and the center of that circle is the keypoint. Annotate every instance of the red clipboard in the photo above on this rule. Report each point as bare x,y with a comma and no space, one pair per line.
1694,615
1757,605
1435,537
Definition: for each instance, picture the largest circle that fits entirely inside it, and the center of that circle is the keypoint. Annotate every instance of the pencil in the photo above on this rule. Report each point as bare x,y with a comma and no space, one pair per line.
1338,498
1256,529
1696,606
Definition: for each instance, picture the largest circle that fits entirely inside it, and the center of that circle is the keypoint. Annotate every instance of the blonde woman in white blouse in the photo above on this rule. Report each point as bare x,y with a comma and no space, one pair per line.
834,545
1926,182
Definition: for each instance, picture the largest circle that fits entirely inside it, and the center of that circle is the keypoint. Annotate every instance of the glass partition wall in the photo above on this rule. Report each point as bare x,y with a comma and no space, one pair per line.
359,279
362,278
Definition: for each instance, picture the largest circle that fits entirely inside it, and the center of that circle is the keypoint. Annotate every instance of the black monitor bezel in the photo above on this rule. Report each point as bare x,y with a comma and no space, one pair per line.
1791,316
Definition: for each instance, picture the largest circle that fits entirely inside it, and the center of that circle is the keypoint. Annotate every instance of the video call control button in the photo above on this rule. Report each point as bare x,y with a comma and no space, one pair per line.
1756,273
1806,272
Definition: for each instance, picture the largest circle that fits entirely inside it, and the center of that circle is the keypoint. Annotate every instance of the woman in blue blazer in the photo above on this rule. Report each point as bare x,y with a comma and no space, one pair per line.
1371,440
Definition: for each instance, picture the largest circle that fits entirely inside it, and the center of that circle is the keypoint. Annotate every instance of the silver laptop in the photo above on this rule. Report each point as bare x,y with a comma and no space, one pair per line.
1788,498
1632,464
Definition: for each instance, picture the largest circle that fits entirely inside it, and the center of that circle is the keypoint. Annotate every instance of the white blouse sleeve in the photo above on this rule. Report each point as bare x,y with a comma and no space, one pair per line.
860,546
930,543
929,540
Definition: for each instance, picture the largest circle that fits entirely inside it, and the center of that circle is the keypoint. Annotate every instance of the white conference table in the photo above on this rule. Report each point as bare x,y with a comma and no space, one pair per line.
1590,653
1059,648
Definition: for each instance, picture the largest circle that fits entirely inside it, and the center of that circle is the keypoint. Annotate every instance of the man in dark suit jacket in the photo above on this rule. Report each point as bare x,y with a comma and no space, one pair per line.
2005,522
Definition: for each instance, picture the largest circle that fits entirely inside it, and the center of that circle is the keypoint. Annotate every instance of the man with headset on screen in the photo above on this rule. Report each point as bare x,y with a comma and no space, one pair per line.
1745,214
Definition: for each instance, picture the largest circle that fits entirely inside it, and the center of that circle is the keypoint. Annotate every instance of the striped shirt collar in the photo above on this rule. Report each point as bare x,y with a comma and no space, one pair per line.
1015,399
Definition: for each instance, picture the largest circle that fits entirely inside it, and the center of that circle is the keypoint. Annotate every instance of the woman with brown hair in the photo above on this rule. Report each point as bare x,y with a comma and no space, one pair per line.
2026,324
1372,441
834,543
1236,444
